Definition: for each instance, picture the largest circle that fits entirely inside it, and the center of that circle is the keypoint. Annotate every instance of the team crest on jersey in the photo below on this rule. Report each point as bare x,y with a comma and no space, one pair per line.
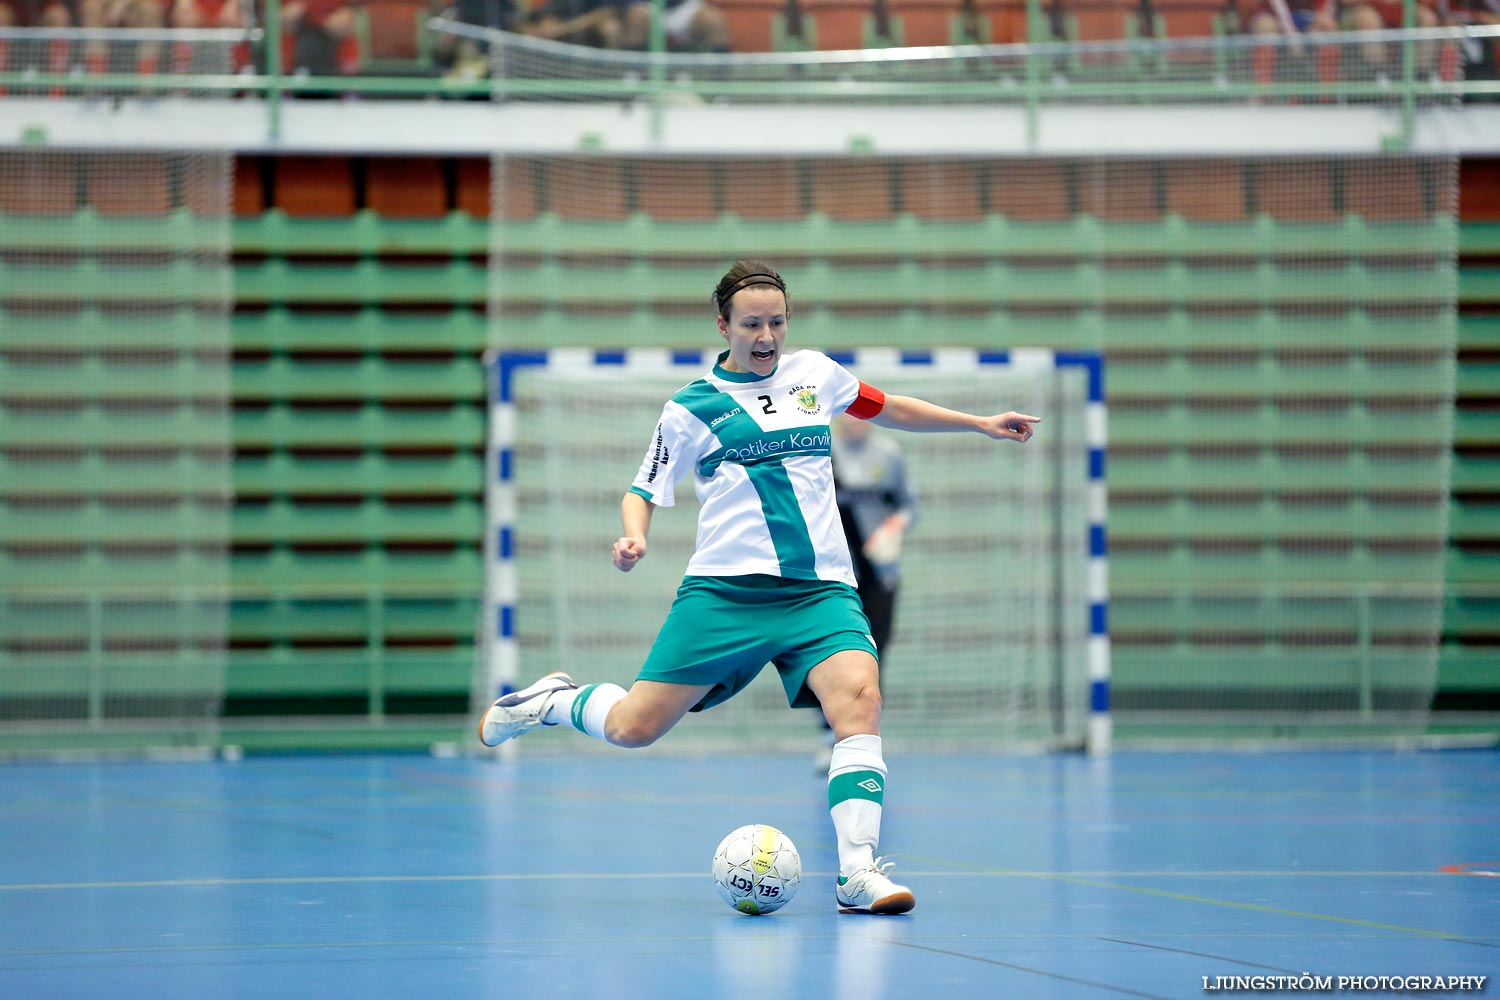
806,397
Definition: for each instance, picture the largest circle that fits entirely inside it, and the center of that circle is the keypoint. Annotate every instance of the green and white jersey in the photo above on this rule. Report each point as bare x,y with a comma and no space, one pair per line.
758,448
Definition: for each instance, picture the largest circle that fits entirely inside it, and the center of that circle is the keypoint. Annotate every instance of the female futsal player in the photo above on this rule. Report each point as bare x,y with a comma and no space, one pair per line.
770,578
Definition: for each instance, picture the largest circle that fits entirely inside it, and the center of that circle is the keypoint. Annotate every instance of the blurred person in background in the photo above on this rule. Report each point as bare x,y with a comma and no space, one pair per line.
597,23
97,55
37,14
468,58
691,25
877,505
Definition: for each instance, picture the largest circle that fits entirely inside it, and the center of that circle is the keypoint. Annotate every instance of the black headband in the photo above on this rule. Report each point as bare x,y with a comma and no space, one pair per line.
756,278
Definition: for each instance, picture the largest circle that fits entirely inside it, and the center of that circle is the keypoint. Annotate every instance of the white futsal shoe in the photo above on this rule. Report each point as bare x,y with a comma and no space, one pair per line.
520,711
869,890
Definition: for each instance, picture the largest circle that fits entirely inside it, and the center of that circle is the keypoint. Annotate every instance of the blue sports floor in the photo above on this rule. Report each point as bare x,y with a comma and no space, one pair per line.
1036,877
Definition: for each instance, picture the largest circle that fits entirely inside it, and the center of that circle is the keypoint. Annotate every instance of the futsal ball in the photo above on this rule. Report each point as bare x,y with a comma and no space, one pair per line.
757,869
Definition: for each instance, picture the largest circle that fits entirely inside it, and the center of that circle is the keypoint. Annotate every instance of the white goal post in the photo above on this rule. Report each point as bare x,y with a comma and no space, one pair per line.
1001,636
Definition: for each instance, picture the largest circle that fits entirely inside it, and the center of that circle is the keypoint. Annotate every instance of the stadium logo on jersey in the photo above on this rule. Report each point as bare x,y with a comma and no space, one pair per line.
807,398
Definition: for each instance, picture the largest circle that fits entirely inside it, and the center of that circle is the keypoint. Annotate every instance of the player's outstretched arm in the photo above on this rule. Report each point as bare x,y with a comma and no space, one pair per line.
908,413
635,518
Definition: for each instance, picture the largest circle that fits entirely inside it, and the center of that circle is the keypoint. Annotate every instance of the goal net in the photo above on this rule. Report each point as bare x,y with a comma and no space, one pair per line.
115,447
991,644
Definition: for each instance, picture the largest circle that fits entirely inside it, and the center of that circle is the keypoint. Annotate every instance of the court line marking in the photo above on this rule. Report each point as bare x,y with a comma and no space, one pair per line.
1259,908
1025,968
1078,876
1202,954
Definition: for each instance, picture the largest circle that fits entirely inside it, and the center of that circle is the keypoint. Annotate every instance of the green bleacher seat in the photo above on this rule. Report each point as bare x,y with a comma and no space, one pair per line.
1177,424
170,425
316,572
370,425
290,620
371,473
367,329
130,377
1181,469
1479,285
282,281
93,473
290,672
1351,377
370,377
365,233
370,521
1266,517
97,521
177,328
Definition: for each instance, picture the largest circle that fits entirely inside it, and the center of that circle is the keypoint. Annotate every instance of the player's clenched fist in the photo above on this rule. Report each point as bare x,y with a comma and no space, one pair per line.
628,552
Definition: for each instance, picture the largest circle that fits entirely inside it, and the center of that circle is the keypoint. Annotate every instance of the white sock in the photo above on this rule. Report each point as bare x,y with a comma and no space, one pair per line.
856,795
586,707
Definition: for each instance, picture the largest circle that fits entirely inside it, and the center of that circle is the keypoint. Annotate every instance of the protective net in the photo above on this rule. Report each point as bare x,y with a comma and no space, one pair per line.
992,615
115,442
1279,328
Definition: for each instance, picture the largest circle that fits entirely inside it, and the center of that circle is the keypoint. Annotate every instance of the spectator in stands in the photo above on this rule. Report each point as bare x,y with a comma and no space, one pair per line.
204,14
691,25
122,14
581,22
1381,15
1480,58
317,36
466,58
1292,17
37,14
320,34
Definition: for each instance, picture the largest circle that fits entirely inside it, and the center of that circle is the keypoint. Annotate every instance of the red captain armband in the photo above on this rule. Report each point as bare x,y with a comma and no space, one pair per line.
868,403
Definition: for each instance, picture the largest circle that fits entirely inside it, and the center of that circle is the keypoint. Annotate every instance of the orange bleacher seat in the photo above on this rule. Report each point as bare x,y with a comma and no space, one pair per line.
752,23
1004,21
852,192
1295,190
1385,190
839,24
1188,18
408,187
675,189
131,184
38,183
1206,190
518,188
941,191
928,22
393,28
249,189
315,186
1104,20
763,189
1479,190
474,187
1120,191
587,189
1029,190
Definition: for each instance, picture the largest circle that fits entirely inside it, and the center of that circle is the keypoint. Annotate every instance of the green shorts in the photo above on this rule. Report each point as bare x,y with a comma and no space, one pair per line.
723,629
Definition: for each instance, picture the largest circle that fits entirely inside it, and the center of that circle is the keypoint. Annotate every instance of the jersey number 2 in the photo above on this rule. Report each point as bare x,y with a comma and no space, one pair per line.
768,408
